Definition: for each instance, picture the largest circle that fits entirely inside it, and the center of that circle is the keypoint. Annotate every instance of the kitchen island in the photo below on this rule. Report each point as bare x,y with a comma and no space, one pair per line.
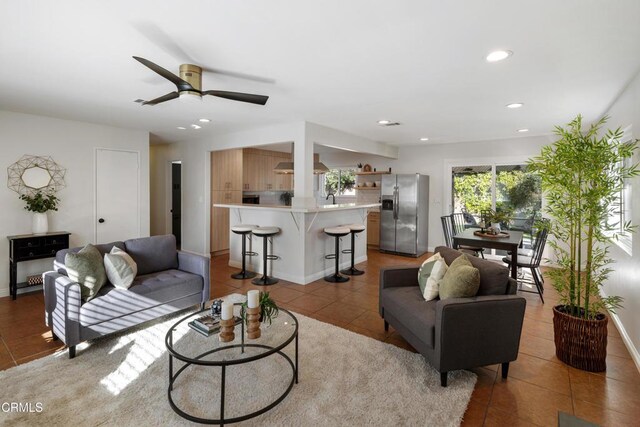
302,244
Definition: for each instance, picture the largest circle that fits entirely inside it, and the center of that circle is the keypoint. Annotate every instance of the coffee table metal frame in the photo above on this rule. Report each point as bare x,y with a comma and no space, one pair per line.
224,363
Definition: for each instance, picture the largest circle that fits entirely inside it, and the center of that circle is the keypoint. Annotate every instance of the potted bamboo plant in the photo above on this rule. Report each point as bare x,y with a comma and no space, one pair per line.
582,175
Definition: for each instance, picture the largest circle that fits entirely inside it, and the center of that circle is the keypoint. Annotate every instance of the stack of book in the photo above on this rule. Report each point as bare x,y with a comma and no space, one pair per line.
207,325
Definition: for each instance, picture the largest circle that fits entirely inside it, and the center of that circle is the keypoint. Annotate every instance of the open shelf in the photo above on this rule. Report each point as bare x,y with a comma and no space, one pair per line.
367,188
374,173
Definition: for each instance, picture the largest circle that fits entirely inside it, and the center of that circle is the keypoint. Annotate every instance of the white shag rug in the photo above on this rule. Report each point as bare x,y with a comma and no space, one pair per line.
345,379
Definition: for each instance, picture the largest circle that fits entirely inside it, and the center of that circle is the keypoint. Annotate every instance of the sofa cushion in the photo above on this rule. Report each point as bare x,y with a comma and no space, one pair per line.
153,254
86,268
407,305
104,248
146,292
461,280
430,275
494,278
120,267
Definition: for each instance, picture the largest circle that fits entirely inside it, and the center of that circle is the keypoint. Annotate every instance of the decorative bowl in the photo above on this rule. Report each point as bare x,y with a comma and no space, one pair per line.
377,183
368,184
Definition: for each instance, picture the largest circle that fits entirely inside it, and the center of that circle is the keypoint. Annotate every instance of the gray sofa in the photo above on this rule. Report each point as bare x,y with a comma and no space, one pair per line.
168,280
456,333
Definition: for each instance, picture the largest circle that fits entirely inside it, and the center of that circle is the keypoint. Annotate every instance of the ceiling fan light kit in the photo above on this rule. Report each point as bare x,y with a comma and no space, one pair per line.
189,86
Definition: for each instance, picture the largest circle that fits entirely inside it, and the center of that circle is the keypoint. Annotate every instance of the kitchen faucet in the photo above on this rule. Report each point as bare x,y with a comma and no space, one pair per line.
332,195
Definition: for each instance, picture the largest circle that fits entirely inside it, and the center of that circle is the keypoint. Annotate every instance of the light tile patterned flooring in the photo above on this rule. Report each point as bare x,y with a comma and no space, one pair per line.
539,385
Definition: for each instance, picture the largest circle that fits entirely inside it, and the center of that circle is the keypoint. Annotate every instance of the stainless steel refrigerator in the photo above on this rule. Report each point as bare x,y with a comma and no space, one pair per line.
404,215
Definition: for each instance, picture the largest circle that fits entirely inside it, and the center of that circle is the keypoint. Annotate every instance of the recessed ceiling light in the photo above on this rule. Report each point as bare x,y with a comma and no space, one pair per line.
384,122
498,55
523,130
424,139
196,127
515,105
204,120
182,128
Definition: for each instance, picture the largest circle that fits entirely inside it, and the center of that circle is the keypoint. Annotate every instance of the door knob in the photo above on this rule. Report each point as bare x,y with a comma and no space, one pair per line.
101,220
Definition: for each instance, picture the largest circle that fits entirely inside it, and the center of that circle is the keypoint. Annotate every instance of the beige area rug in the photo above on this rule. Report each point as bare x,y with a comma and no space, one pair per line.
345,379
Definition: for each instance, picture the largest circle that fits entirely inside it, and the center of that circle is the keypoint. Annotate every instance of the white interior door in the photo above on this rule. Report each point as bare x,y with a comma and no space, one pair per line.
117,195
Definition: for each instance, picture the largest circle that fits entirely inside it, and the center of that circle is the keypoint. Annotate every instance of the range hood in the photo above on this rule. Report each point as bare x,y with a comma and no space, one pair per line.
287,167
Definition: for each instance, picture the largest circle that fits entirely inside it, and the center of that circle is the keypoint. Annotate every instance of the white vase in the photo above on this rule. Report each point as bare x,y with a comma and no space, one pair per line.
496,226
39,223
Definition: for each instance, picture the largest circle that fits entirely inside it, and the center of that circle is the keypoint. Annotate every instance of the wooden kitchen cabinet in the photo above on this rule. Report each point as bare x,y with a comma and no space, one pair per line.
226,170
220,218
373,229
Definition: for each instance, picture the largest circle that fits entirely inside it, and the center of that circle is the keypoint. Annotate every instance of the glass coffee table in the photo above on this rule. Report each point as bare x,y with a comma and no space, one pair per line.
241,350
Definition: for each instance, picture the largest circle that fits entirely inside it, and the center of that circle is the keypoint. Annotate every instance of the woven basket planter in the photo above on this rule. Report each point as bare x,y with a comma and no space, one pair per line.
581,343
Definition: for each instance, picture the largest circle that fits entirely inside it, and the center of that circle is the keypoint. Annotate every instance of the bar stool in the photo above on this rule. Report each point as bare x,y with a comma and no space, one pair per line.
336,232
353,229
245,231
265,233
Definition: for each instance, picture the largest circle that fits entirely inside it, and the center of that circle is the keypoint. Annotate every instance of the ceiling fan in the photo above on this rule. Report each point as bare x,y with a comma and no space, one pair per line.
189,85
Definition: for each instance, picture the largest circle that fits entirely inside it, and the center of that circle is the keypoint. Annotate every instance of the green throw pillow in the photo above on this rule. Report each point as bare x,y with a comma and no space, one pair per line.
120,267
86,268
461,280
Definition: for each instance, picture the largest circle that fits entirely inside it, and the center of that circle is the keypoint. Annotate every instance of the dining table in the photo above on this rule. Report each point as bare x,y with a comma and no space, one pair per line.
511,241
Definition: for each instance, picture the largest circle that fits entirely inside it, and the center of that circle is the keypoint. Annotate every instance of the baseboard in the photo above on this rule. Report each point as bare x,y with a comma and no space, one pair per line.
626,339
218,253
4,292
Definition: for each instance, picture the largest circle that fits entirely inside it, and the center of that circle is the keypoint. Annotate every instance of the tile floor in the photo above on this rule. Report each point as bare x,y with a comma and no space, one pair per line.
539,385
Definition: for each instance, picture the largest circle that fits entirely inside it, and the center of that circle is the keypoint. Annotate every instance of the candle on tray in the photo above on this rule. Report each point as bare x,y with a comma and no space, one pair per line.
253,298
227,310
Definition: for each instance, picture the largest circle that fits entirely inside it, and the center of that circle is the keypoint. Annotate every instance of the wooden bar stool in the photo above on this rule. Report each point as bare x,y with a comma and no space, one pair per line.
266,233
353,229
337,233
244,230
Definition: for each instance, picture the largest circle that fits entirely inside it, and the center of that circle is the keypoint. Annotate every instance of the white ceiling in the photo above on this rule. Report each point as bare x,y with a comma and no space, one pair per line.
342,64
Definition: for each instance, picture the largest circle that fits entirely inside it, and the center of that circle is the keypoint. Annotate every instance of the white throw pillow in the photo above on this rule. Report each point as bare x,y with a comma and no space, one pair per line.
430,275
121,268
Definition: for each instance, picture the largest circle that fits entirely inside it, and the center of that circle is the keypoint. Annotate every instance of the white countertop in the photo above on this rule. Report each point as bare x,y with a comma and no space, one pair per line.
323,208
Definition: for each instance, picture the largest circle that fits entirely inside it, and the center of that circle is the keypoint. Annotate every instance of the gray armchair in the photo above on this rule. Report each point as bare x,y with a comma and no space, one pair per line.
457,333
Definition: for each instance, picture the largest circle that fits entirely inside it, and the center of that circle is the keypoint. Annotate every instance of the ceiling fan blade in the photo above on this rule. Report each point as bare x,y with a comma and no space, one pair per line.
237,75
238,96
157,36
163,98
181,84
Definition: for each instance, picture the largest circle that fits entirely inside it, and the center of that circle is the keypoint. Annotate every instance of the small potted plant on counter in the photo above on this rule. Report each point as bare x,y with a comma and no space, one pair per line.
286,197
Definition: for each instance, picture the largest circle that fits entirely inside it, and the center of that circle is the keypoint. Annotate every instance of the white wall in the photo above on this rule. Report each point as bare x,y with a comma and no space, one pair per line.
71,144
624,280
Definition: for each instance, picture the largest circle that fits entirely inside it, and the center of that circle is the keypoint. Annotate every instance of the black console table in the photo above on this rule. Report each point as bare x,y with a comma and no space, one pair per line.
29,247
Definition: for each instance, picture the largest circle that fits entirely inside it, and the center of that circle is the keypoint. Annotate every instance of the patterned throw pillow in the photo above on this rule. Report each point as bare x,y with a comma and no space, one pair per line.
462,279
430,275
86,268
121,268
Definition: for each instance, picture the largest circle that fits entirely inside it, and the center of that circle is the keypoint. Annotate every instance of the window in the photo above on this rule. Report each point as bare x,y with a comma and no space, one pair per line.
339,181
621,214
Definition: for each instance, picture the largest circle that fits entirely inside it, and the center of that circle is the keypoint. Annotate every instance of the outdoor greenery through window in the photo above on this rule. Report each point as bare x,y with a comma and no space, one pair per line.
340,181
509,189
620,211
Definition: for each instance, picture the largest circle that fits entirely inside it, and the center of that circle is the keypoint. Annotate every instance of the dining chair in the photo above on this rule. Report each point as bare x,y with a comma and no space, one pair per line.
459,225
448,227
532,262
